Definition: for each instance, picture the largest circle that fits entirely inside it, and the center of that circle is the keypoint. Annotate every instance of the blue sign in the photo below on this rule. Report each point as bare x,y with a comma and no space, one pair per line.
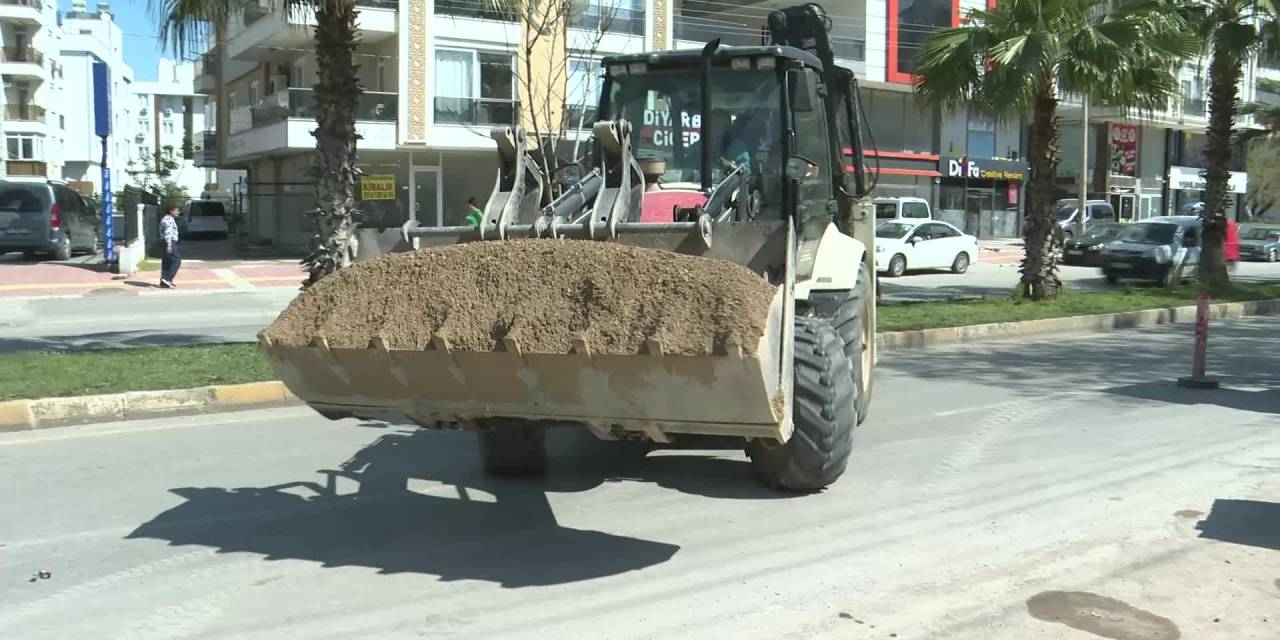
101,99
108,227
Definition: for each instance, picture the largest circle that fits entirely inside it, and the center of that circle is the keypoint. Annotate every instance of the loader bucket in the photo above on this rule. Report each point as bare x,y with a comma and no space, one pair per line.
738,392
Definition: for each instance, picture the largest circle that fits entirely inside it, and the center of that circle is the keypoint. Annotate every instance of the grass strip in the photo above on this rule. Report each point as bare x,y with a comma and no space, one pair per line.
76,373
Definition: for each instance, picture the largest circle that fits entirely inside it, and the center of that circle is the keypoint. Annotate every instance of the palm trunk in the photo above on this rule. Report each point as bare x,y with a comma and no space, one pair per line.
334,167
1040,233
1224,73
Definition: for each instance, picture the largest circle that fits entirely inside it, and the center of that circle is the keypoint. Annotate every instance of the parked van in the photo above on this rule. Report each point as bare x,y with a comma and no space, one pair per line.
46,218
904,208
207,218
1095,211
1165,250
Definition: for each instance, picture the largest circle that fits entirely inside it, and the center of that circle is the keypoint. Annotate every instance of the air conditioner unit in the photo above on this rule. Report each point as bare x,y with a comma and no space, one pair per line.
168,113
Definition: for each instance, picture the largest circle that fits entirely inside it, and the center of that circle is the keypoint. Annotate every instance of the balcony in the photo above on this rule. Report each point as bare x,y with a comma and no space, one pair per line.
23,61
206,149
286,119
282,34
1194,107
475,9
27,168
479,111
206,81
20,11
24,113
609,18
701,30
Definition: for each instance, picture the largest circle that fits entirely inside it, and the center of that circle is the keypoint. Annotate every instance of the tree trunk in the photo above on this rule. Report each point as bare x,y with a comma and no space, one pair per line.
1224,73
334,167
1040,234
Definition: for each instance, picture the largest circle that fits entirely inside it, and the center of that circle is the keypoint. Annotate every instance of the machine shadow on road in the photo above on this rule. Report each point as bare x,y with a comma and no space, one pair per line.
416,501
1247,522
1254,399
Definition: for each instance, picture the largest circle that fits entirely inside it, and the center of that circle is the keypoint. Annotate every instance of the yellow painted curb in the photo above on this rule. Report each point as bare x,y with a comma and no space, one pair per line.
16,414
250,393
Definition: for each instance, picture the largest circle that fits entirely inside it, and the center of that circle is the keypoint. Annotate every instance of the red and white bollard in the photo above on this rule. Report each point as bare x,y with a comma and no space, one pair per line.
1197,379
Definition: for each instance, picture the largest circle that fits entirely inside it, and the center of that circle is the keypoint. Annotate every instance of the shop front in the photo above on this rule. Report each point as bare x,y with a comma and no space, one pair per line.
981,196
1186,189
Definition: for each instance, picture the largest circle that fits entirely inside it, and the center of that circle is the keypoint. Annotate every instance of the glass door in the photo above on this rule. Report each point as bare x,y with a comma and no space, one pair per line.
425,204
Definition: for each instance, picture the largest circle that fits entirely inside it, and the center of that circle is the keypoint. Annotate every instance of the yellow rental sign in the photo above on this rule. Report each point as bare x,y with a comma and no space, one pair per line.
378,187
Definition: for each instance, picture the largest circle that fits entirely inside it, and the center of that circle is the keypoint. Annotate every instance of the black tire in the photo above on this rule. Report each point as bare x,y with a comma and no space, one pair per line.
961,263
824,412
514,448
28,255
1111,277
1170,277
1272,256
897,265
850,323
63,251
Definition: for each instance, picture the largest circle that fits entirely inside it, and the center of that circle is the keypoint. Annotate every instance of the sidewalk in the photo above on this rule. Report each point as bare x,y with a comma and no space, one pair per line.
22,278
1000,251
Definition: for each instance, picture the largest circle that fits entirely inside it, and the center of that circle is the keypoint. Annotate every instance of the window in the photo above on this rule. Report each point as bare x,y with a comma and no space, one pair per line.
24,147
253,92
915,210
1101,212
167,125
981,139
62,122
910,22
583,91
474,87
942,231
811,142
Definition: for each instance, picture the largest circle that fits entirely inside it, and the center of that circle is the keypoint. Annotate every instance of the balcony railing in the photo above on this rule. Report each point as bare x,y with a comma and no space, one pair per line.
375,106
206,149
575,114
22,3
23,54
476,111
379,4
1194,107
26,168
24,112
606,19
482,9
700,29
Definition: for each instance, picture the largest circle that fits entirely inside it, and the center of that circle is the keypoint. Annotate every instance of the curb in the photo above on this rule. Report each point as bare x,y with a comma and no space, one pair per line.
21,415
920,338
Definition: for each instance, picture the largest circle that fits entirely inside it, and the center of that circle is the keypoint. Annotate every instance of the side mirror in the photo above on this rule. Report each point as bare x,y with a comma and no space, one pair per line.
802,84
913,239
801,168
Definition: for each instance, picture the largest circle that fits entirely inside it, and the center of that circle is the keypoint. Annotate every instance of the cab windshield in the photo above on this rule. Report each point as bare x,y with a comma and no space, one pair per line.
1150,233
664,107
893,229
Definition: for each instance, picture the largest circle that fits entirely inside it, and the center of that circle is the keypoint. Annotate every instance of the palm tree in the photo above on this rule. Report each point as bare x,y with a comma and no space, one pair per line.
185,25
1018,58
1230,32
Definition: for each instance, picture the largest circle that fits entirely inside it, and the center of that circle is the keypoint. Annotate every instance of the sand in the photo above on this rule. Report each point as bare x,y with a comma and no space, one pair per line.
541,293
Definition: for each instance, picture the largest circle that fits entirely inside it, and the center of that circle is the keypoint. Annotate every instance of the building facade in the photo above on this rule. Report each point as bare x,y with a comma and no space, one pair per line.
438,74
170,115
31,126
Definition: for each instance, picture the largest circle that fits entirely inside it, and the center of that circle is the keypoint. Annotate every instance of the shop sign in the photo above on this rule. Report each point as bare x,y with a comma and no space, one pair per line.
1188,179
1124,150
379,187
981,168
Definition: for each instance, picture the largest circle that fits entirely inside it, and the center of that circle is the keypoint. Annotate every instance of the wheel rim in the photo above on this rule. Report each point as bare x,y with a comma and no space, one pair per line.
962,262
898,266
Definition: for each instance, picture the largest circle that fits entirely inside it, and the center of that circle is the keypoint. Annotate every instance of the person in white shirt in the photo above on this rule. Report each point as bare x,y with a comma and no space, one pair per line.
169,260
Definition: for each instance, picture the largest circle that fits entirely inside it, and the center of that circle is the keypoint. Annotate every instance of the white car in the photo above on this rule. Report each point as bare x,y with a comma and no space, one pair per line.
923,244
204,218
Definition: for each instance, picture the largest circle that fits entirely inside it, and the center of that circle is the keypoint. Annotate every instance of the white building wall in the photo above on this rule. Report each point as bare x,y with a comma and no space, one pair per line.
162,111
45,38
88,37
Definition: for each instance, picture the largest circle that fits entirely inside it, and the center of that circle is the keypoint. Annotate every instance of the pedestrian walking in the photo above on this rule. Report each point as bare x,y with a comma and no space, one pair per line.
474,215
170,259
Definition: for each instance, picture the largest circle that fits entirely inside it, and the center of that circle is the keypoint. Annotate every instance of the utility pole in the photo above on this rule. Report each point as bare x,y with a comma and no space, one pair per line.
1084,165
102,127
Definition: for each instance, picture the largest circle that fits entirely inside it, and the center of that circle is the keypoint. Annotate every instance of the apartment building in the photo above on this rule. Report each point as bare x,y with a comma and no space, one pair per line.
30,39
170,116
438,74
89,37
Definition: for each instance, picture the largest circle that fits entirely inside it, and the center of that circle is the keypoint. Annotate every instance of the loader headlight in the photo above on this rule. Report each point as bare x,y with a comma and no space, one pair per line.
740,64
617,69
766,63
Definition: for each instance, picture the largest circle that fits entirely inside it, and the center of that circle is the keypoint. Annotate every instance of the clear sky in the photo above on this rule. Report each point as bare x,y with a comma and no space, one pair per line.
141,43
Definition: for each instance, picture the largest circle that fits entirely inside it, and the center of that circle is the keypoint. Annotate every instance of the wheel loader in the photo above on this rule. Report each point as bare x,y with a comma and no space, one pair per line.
752,155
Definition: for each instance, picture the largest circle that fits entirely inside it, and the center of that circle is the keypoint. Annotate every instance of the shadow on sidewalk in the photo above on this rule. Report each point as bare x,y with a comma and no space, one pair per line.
1247,522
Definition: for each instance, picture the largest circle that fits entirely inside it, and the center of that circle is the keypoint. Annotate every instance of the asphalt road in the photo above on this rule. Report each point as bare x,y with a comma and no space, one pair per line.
999,490
177,317
996,280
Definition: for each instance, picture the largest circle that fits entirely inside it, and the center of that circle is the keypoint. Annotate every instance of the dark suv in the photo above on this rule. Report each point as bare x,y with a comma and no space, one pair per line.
46,217
1164,250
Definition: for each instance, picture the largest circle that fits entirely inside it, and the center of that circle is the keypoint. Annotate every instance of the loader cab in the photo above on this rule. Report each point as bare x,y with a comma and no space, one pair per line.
767,116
